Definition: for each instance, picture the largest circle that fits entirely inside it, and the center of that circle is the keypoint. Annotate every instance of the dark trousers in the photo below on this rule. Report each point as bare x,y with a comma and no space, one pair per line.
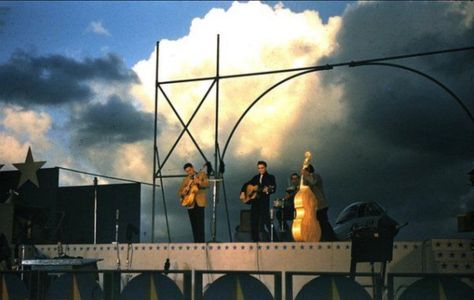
196,216
327,233
260,218
255,223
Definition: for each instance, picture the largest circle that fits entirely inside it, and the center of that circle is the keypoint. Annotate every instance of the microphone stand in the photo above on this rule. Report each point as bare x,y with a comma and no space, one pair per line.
214,209
117,237
271,223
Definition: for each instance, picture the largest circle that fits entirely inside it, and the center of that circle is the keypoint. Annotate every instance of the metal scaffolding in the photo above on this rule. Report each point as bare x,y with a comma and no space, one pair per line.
217,176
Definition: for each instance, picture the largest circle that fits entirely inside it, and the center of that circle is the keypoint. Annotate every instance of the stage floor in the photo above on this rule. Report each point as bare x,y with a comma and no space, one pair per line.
430,256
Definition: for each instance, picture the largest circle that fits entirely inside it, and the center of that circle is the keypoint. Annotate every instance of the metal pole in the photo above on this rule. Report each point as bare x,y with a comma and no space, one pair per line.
214,212
217,175
216,141
155,149
95,210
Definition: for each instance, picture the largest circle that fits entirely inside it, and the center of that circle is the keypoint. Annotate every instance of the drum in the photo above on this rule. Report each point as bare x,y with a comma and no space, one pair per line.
278,203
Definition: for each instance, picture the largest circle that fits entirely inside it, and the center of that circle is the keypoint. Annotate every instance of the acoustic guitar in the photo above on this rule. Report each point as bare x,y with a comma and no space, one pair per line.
191,190
251,192
305,227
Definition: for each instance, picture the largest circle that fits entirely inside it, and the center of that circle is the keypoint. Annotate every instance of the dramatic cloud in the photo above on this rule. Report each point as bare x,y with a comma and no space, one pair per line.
21,129
98,28
268,39
114,122
377,133
417,142
26,80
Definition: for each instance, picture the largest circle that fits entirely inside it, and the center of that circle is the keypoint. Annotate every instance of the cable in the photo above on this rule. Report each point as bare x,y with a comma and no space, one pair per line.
104,176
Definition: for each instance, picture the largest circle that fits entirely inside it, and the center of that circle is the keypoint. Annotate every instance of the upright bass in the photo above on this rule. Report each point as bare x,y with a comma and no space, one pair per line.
305,226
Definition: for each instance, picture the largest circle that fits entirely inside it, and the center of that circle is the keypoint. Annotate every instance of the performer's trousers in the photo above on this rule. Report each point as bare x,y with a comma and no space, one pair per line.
260,218
327,233
196,216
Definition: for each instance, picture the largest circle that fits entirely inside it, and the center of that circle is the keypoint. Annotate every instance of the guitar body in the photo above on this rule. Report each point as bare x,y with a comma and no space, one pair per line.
305,227
250,193
188,199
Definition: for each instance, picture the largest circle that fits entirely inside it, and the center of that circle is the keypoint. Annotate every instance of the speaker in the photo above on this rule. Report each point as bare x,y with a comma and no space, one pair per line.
245,220
370,246
6,220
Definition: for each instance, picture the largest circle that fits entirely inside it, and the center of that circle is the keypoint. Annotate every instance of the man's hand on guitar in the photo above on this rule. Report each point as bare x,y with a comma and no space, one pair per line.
185,191
265,190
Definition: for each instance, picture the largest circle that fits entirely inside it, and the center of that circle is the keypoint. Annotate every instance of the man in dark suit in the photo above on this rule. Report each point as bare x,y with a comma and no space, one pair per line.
260,206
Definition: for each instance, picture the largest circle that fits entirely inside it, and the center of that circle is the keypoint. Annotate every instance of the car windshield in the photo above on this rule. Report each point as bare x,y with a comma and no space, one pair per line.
358,210
348,213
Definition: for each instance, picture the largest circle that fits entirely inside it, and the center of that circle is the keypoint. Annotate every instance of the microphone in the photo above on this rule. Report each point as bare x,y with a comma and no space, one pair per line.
221,167
209,168
117,212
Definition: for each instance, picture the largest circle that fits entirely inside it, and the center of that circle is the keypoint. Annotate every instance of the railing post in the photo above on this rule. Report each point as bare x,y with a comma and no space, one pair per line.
111,285
187,285
390,286
277,282
288,286
197,285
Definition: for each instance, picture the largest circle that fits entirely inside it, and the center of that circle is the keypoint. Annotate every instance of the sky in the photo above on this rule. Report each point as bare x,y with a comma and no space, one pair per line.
77,86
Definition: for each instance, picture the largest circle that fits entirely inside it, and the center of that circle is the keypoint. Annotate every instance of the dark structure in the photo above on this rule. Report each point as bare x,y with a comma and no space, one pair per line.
77,205
49,214
30,211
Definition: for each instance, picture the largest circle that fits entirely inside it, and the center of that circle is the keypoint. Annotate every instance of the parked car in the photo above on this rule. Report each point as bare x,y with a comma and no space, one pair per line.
364,216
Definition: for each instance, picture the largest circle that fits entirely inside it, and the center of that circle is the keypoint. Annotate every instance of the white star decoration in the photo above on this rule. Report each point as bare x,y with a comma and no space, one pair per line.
28,169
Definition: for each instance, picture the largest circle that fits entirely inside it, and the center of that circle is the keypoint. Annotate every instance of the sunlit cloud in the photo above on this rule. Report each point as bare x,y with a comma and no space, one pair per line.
98,28
23,128
270,38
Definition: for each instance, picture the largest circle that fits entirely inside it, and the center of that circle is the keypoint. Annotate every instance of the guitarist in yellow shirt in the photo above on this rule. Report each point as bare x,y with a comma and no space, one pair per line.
193,194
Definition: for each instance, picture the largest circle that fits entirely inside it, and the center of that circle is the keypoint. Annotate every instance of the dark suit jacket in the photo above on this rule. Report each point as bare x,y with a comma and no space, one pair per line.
267,180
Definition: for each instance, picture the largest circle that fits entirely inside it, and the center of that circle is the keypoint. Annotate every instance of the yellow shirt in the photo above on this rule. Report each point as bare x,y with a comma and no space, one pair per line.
201,196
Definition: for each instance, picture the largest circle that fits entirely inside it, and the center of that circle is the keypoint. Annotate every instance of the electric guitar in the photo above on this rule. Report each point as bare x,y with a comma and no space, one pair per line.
187,199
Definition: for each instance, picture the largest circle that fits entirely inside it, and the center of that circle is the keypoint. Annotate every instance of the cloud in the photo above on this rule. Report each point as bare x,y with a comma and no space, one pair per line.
11,148
376,133
98,28
407,140
49,80
116,121
21,129
268,39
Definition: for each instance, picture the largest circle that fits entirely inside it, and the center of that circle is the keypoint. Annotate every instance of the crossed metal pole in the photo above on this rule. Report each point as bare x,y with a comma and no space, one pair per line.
219,157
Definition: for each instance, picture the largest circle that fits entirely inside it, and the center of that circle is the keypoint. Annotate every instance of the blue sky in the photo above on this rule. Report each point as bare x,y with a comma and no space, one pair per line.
134,26
76,84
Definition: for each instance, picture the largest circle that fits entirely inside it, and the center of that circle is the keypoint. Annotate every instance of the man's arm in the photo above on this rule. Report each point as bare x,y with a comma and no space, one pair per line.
203,181
181,191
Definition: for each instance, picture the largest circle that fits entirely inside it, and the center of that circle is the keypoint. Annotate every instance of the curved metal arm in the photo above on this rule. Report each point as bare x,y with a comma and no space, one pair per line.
458,100
261,96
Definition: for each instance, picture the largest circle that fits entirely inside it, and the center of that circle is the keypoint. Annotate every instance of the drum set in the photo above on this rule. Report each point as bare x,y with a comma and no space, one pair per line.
284,212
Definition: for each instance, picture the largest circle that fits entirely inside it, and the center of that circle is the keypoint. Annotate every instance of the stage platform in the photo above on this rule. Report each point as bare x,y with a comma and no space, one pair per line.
411,257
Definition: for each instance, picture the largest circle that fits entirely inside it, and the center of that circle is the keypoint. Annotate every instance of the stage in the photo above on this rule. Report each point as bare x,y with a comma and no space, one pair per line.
411,257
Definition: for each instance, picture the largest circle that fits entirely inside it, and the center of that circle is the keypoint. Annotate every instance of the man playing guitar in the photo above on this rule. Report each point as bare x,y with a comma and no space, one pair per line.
196,183
260,204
